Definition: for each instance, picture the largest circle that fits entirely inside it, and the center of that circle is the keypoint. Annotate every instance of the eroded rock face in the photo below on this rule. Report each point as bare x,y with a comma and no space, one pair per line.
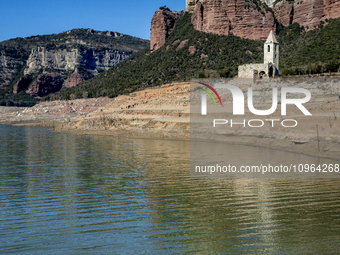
45,84
307,13
9,65
84,51
74,79
182,44
190,5
162,24
284,12
331,9
233,17
59,61
69,59
22,84
192,49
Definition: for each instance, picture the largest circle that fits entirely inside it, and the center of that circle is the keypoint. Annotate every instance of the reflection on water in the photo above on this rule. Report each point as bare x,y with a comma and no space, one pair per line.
204,155
61,193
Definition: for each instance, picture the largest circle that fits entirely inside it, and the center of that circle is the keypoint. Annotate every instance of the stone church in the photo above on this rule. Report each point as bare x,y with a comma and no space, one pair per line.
270,67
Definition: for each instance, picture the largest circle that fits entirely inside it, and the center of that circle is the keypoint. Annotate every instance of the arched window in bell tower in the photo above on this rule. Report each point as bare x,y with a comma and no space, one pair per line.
275,48
268,48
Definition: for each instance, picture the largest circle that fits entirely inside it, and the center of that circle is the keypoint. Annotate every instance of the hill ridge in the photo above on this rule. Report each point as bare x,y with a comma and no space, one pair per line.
24,62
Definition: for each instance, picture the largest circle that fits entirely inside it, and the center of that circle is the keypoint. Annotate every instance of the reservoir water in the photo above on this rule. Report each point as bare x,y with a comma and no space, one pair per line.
80,194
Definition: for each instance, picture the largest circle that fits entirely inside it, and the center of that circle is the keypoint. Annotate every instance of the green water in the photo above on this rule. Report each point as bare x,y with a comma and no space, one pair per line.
69,194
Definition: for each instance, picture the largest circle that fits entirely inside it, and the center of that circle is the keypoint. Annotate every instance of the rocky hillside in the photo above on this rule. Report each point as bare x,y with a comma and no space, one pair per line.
189,53
39,65
313,52
306,13
186,53
162,24
243,18
251,19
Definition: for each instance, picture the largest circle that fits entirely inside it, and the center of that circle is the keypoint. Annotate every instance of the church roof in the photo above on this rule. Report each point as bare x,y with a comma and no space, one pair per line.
271,38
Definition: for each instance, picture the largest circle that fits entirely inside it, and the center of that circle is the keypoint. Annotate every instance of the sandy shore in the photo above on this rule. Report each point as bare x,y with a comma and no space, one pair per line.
160,112
164,113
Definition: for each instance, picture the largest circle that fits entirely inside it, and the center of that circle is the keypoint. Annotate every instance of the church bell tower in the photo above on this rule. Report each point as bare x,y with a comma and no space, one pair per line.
271,50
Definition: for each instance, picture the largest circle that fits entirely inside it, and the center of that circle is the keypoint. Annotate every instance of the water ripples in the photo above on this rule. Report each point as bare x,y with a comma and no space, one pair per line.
92,194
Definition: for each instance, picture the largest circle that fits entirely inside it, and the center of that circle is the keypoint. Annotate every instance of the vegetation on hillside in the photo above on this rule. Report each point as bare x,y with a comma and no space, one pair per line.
21,99
18,51
315,51
7,98
75,38
210,55
214,56
301,52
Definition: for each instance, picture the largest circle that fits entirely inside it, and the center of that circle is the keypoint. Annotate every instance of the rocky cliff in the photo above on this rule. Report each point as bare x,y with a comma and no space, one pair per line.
93,59
307,13
74,55
162,24
246,19
331,9
9,65
22,84
242,18
190,5
73,80
45,84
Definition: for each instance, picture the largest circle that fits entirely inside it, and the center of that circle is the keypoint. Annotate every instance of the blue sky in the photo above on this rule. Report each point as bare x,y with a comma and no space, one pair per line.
23,18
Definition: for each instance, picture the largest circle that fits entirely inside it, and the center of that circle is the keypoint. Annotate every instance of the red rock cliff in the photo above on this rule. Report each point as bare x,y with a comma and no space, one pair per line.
45,84
233,17
22,84
243,18
307,13
331,9
74,79
162,24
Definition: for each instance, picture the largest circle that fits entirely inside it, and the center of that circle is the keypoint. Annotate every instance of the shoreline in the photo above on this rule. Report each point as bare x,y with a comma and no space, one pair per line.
253,141
164,113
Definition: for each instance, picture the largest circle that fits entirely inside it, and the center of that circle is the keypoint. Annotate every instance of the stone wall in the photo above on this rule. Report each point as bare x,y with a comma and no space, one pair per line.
247,71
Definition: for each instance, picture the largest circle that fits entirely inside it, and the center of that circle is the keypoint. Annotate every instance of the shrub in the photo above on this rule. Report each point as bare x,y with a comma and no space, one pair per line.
202,75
